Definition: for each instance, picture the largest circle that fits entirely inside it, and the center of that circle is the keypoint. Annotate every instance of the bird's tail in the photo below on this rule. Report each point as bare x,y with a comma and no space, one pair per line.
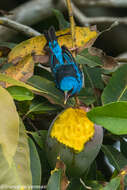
54,48
50,34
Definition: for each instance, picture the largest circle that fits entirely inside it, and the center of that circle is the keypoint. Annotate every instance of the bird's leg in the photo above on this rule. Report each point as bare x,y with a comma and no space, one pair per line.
77,102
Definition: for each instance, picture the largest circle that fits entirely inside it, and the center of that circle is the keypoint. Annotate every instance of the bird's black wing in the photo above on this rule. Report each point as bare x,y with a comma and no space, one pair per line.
66,52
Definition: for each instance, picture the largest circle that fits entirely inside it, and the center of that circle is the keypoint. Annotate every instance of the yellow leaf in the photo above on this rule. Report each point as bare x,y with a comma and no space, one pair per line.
9,125
22,70
35,46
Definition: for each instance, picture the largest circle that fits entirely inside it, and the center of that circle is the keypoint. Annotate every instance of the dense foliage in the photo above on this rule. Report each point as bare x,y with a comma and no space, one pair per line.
29,101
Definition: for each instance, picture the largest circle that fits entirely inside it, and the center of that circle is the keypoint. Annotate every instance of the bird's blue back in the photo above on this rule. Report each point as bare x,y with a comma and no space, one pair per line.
66,72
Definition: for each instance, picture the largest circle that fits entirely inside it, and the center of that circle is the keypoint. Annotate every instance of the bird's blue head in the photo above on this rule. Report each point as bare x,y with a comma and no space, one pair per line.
69,85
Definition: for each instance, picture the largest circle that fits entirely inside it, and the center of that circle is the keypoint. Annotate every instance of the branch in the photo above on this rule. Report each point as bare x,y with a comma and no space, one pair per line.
18,27
102,3
97,20
28,14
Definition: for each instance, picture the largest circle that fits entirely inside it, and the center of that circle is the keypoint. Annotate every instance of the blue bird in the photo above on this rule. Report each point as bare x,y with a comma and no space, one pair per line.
68,76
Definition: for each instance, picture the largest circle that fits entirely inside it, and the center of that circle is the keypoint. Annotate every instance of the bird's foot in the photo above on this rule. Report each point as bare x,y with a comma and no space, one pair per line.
77,102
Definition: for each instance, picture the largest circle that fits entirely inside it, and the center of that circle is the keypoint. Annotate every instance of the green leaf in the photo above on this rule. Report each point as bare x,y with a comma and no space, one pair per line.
111,116
75,184
113,184
115,157
6,78
94,185
54,95
35,165
123,147
38,107
116,90
93,77
86,95
54,182
90,172
39,70
40,137
86,58
20,93
19,174
9,125
62,22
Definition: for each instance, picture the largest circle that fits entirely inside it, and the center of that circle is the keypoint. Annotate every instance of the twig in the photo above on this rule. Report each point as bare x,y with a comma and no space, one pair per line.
102,3
94,20
72,22
82,182
18,27
121,59
28,14
33,126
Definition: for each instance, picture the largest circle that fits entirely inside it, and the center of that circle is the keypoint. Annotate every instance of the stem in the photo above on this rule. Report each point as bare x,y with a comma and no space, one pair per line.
72,22
82,182
18,27
32,125
101,3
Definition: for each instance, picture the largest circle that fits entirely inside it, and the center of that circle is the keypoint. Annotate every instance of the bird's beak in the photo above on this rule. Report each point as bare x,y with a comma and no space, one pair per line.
66,96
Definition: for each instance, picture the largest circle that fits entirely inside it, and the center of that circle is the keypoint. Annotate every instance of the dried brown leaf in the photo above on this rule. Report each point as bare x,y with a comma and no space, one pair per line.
109,62
64,180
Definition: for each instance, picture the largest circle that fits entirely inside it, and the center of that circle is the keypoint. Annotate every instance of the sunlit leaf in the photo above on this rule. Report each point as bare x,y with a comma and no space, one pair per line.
9,125
85,36
22,70
20,93
116,90
112,116
5,78
19,174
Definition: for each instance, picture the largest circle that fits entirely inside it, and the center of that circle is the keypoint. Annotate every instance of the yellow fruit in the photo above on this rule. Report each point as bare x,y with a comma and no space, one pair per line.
75,139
